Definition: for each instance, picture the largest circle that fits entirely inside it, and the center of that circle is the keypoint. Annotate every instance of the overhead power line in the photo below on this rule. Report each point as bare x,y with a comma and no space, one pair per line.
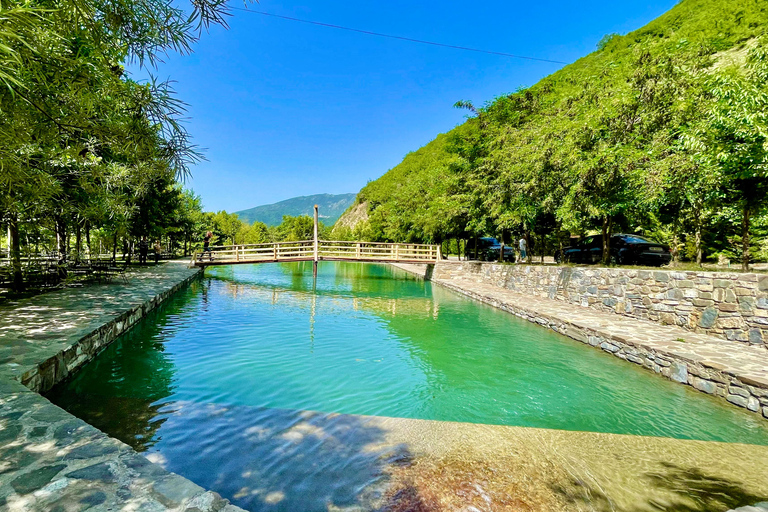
401,38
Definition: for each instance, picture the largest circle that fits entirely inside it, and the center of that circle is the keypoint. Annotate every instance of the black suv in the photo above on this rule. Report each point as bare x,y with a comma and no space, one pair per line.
625,250
488,250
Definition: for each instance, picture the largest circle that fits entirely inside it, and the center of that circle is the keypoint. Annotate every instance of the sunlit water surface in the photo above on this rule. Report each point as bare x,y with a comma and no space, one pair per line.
213,384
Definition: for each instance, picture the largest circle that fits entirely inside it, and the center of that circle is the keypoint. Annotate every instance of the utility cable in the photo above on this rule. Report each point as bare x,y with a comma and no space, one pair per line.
401,38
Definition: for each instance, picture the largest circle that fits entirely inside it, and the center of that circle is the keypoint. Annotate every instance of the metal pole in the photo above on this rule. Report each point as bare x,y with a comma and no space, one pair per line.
317,245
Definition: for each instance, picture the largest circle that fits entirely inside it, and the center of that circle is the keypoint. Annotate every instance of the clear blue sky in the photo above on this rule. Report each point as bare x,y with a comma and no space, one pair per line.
287,109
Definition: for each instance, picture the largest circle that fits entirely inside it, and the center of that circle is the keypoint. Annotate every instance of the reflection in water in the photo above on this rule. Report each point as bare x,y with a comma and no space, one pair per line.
217,383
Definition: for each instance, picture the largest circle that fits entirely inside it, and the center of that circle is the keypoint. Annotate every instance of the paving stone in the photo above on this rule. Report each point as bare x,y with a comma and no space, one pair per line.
9,433
34,480
91,451
174,489
100,471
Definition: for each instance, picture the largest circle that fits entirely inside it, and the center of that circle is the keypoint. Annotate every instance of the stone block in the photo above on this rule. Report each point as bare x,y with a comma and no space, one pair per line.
668,319
685,283
762,284
736,335
662,277
753,404
737,400
721,283
702,303
729,323
707,386
690,293
755,336
728,307
746,304
609,347
675,294
735,390
708,318
679,372
743,292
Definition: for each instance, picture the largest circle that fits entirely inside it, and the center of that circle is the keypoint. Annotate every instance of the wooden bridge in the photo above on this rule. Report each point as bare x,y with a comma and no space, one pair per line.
318,250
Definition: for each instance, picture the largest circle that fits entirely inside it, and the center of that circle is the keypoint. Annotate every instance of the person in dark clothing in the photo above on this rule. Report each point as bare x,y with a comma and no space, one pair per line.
143,250
207,245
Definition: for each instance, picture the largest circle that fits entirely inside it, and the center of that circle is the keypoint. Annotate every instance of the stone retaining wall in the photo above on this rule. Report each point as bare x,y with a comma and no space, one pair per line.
46,374
730,305
706,376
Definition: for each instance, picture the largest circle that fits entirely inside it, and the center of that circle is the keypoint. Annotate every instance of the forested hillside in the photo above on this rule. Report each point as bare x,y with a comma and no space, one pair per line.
331,206
661,132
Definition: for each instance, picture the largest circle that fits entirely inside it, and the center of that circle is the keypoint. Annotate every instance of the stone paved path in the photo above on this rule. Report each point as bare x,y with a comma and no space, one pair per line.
734,371
50,460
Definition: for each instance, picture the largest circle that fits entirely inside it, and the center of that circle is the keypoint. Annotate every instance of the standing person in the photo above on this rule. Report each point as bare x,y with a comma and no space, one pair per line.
523,249
158,250
207,245
143,250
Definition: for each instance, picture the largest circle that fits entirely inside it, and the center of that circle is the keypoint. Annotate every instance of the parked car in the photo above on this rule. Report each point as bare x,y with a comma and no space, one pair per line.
488,250
625,250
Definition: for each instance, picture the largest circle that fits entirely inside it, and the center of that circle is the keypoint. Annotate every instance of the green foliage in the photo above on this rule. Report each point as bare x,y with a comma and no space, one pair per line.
659,132
82,146
296,229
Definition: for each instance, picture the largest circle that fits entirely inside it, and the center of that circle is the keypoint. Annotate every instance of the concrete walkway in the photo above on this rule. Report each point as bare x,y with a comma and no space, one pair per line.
50,460
736,372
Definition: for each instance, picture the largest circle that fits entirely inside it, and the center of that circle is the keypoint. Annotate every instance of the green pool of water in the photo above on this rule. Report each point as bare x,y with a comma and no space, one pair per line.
365,340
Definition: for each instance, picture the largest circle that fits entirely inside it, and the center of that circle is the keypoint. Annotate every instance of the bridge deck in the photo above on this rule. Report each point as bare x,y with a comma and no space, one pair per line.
321,250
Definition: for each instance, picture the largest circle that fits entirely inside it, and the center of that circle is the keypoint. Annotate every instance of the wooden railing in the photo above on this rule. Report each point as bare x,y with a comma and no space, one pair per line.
309,250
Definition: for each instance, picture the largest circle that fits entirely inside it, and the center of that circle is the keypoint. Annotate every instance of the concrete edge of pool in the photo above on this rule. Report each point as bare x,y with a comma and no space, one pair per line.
737,379
50,458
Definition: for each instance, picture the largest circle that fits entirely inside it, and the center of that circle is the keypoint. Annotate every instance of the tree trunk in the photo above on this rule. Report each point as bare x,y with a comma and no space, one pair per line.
61,235
745,240
114,247
475,247
501,248
88,238
606,240
527,247
185,245
78,242
17,282
698,239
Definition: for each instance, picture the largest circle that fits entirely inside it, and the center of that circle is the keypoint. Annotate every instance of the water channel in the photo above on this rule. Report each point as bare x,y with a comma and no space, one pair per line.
285,393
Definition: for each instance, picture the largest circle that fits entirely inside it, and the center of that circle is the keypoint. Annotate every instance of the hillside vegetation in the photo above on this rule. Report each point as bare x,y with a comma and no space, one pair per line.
331,206
661,132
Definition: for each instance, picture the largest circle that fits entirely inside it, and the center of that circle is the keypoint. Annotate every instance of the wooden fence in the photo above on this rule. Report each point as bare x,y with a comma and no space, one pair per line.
311,250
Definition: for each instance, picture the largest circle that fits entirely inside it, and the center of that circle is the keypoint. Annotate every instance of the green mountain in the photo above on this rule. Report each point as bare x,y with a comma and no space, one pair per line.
660,132
331,206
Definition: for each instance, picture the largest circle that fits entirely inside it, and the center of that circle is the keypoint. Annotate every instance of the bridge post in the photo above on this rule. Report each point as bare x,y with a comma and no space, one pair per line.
397,252
317,245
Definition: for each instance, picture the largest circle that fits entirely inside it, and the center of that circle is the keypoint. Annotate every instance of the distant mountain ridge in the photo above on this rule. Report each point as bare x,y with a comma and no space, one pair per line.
331,207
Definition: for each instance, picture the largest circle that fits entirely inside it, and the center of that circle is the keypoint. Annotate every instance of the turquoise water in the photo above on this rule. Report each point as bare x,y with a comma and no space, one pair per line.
253,346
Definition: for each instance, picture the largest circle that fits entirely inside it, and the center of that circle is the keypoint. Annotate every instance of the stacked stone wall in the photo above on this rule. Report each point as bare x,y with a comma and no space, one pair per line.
730,305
